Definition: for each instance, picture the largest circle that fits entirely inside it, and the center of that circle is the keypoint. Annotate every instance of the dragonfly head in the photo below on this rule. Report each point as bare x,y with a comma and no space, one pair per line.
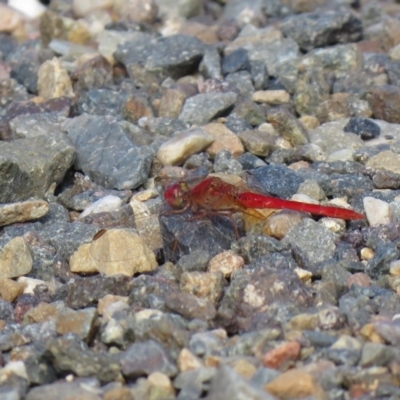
175,195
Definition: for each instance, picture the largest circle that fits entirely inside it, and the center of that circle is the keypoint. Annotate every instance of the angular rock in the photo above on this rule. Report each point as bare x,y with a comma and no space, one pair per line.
146,357
106,154
204,107
23,177
323,28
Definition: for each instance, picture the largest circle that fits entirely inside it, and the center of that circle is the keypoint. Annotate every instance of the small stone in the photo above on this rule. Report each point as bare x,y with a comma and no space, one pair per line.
238,60
303,322
161,387
278,225
81,322
272,97
171,103
190,306
15,258
227,262
206,285
295,384
137,10
188,361
137,107
9,289
285,352
117,251
309,121
384,101
30,284
365,128
83,8
10,20
375,354
377,211
311,241
395,268
144,358
258,142
179,148
53,80
367,253
224,139
204,107
41,313
288,126
386,160
22,211
105,204
107,301
360,279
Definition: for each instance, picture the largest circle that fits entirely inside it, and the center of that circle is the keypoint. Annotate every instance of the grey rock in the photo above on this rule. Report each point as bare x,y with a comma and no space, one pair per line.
210,65
23,177
277,180
87,291
323,28
79,388
204,107
150,60
227,384
103,101
194,382
31,126
183,234
376,354
106,154
312,243
66,237
70,354
146,357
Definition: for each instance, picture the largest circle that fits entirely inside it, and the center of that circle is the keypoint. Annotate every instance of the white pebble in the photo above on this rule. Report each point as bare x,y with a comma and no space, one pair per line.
377,211
105,204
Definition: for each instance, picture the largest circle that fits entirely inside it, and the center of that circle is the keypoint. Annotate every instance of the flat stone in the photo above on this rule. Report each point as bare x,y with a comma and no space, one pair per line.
145,358
180,147
23,211
117,251
204,107
15,258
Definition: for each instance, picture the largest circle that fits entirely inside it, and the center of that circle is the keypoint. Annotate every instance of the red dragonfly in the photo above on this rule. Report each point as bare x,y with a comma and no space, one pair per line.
214,195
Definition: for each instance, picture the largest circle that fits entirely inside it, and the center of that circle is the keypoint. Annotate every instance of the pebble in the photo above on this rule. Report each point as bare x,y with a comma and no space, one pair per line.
295,383
227,262
9,289
206,285
288,126
224,139
272,97
117,251
16,258
204,107
81,322
377,211
22,211
280,355
179,148
188,361
53,80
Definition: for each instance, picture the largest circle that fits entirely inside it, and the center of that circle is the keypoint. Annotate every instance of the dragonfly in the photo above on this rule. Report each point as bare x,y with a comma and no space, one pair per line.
214,197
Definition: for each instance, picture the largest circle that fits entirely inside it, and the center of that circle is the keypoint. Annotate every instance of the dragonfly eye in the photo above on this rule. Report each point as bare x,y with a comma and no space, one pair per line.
174,195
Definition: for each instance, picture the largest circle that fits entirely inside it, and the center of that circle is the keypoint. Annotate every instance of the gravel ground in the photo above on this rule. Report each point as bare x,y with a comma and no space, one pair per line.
100,102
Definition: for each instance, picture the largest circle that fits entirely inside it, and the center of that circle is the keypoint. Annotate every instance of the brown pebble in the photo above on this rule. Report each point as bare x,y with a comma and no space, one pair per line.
275,358
359,279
